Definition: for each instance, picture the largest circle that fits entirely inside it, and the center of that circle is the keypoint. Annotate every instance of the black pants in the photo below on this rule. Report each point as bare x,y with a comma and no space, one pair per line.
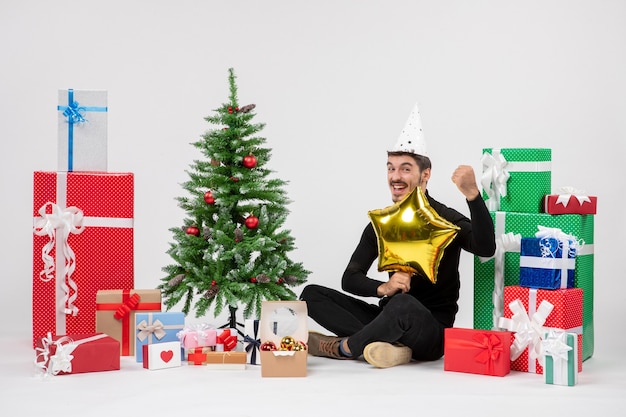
402,319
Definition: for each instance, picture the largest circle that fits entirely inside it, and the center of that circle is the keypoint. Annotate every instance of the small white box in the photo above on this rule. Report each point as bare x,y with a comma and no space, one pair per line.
82,130
161,355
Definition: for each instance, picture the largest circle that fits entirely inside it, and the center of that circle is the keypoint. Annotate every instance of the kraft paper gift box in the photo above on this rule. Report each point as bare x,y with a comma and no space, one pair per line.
152,328
561,351
229,360
547,263
77,353
116,310
516,179
570,201
198,335
82,130
474,351
82,243
280,319
493,274
252,341
161,355
530,312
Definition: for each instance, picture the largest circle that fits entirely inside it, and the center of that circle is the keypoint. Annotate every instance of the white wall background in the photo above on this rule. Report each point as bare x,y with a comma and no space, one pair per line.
335,82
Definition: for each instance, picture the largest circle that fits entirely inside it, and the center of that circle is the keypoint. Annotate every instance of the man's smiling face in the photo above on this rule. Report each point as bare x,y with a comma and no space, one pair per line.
403,175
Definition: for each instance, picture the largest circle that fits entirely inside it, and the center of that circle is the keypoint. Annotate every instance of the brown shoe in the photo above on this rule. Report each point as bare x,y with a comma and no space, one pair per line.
326,346
386,355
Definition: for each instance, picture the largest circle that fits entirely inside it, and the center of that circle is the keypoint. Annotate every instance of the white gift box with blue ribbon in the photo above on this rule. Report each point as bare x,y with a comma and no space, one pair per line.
82,130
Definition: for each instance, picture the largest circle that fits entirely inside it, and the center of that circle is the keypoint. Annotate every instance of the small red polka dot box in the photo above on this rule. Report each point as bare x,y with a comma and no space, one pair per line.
529,313
82,242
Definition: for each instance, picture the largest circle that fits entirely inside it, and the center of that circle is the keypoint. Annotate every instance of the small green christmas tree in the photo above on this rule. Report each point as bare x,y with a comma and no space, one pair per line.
231,250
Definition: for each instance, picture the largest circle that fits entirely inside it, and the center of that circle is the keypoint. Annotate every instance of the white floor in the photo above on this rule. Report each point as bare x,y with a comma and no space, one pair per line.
331,388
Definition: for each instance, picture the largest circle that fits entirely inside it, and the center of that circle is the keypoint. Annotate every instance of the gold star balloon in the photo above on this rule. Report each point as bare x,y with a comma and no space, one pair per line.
411,236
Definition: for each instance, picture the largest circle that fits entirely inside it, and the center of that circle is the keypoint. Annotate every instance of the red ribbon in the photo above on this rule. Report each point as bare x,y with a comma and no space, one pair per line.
229,341
197,356
122,312
490,348
127,305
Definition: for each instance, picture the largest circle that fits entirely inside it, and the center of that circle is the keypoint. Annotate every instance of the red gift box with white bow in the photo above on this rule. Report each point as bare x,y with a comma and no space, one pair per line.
529,313
77,353
82,242
570,201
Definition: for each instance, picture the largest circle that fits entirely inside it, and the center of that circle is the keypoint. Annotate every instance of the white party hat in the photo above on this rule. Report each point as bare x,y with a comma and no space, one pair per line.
411,138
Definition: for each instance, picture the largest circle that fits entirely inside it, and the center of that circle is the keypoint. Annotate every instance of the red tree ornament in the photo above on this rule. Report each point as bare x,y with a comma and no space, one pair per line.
252,222
249,161
208,197
193,230
253,280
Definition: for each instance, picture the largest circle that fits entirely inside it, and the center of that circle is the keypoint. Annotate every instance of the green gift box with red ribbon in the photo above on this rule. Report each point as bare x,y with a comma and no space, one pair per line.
116,310
491,275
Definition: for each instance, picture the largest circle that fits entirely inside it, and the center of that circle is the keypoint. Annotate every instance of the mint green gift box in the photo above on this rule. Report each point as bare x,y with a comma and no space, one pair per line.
488,303
529,172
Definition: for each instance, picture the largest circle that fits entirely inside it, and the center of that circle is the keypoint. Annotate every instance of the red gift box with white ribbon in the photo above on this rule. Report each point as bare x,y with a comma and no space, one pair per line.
83,240
77,353
530,313
570,201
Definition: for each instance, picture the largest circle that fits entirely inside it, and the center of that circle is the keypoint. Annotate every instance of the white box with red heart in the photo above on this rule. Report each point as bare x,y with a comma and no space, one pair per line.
161,355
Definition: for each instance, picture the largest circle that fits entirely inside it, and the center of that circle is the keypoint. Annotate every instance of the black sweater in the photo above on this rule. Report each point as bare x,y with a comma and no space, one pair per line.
475,236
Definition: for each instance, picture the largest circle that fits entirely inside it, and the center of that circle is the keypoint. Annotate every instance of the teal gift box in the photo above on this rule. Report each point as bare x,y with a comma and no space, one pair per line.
153,328
516,179
560,350
493,274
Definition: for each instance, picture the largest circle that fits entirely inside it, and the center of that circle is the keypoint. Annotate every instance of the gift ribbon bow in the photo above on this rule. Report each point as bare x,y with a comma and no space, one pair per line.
198,331
507,242
253,343
73,112
491,348
61,360
145,329
127,306
528,328
555,345
227,339
494,178
568,192
569,244
63,221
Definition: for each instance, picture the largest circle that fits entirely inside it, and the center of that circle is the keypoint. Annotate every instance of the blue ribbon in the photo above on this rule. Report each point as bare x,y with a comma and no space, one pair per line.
254,344
74,114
